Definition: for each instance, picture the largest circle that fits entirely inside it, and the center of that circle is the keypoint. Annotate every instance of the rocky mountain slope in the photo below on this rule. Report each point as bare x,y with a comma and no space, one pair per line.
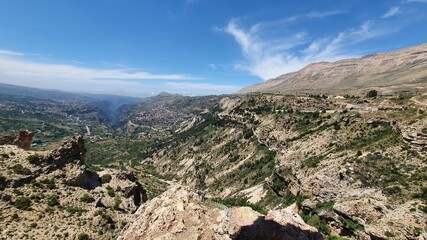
54,195
406,68
227,167
355,167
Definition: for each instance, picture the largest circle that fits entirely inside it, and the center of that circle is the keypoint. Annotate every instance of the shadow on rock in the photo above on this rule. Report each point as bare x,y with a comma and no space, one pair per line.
263,229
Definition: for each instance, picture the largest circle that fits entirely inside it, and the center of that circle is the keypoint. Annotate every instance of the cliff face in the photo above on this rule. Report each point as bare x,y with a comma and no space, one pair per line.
399,68
180,213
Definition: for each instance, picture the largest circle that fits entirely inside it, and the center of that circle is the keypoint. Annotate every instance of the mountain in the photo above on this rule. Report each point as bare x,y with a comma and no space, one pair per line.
108,103
352,167
392,69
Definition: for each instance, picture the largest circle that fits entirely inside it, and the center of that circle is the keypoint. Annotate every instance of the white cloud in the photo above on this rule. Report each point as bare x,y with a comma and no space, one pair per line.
268,56
17,69
391,12
25,67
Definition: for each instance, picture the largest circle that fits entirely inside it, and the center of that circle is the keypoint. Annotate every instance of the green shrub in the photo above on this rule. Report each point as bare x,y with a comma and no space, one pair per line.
49,183
36,184
110,191
392,190
23,203
19,169
324,206
372,93
318,223
335,238
106,178
103,214
248,133
33,159
117,202
87,198
422,195
83,236
36,197
350,224
75,210
52,200
17,192
389,234
314,161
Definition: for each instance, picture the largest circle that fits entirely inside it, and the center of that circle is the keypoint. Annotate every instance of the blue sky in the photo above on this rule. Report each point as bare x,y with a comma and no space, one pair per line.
192,47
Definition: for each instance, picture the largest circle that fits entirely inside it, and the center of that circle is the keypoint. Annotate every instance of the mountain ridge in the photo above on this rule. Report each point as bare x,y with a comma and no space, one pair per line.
406,66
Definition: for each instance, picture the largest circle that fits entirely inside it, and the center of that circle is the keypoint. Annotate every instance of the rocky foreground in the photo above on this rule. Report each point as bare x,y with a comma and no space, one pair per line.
180,213
54,195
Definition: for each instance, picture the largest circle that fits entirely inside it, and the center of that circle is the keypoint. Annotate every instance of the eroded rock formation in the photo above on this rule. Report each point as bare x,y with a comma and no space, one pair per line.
71,151
180,213
23,139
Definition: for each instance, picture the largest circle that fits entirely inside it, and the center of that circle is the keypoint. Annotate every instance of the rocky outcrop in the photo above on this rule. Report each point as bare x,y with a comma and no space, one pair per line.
79,176
413,136
71,151
137,192
79,200
23,139
180,213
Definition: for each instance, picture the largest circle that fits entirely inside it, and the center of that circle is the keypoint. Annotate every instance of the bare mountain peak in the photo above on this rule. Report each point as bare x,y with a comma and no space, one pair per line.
401,67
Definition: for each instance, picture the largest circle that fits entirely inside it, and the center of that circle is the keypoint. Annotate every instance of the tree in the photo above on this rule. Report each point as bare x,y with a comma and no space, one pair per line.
372,93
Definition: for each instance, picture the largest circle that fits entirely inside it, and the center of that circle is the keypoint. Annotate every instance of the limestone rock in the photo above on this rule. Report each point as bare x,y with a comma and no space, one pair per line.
73,150
79,176
179,213
23,139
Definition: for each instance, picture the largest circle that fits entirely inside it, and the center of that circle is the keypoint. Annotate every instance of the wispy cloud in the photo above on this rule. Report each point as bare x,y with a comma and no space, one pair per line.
391,12
268,56
10,53
325,14
187,5
17,68
25,67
